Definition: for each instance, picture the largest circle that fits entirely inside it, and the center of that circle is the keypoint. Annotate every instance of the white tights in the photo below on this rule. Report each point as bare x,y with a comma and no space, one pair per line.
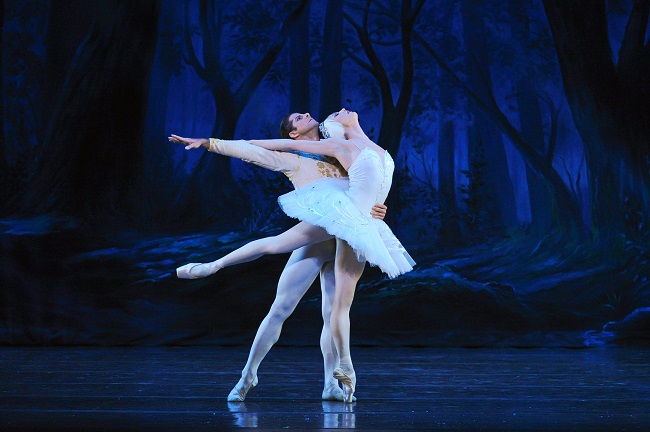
302,234
302,268
347,270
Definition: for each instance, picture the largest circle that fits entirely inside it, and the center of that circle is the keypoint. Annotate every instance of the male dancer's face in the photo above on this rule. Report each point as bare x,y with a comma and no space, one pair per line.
303,124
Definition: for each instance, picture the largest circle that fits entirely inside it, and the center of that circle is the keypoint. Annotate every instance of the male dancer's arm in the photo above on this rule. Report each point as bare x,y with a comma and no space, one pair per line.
269,159
241,149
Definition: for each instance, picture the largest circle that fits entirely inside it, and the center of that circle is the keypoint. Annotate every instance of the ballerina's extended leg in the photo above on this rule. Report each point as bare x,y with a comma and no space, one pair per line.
299,235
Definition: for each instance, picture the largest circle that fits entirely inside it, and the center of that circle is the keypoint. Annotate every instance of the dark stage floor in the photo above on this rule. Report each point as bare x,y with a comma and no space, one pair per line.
175,389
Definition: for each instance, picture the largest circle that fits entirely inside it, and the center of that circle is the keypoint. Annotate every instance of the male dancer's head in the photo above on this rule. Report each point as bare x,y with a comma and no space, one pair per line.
302,126
299,126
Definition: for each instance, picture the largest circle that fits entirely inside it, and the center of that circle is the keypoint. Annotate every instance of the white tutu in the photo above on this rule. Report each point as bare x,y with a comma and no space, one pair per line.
345,212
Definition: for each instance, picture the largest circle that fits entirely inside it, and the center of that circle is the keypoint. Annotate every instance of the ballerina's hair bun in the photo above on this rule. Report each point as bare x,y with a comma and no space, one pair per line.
332,129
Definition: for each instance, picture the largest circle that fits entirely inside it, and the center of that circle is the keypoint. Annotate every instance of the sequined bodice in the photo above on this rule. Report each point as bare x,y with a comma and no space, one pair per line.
370,179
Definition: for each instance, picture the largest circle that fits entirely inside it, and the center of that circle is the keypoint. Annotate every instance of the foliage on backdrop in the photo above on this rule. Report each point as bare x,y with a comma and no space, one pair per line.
521,131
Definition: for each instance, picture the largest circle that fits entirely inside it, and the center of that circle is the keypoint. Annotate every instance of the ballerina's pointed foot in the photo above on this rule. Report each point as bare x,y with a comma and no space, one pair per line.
334,393
196,270
348,380
238,393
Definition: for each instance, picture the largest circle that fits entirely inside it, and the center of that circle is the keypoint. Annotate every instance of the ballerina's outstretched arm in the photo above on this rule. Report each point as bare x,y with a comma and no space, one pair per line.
300,235
324,147
337,148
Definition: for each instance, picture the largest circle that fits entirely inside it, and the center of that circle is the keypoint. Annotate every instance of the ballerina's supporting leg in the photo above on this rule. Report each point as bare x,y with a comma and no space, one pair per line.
299,273
348,270
300,235
331,389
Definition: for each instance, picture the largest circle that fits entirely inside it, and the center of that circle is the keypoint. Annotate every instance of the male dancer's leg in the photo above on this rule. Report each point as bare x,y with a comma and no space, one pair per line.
347,272
299,273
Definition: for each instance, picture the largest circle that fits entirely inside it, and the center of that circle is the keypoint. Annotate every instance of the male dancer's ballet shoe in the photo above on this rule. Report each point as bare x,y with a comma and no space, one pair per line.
239,394
348,381
195,271
334,393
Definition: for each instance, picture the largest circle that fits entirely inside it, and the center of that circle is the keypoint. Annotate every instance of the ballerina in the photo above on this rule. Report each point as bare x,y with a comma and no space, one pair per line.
327,208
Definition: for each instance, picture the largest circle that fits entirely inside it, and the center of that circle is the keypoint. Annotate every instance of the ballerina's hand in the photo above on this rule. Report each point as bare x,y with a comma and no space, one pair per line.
190,143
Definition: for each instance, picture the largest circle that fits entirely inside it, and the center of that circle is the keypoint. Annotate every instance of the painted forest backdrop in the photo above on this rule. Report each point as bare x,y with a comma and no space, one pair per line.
520,130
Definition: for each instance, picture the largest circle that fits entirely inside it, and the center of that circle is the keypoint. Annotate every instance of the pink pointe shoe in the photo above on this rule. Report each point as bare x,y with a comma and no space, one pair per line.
195,271
348,382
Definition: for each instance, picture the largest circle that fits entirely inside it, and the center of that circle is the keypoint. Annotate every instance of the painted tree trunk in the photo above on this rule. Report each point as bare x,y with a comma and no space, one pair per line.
564,209
394,116
610,104
498,186
531,125
65,32
155,134
330,79
4,187
532,129
300,59
93,150
159,181
212,194
394,113
450,233
213,188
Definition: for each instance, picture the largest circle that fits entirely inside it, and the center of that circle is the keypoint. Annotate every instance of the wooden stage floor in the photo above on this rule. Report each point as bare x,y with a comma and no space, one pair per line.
184,388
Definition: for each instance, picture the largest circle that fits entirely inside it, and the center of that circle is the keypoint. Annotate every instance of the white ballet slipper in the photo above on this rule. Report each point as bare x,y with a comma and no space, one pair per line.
238,393
195,271
334,393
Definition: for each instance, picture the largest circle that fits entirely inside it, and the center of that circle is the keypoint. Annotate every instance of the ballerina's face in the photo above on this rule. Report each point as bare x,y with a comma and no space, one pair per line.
345,117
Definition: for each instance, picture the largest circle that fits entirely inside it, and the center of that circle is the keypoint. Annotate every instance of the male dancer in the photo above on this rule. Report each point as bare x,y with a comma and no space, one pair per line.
305,263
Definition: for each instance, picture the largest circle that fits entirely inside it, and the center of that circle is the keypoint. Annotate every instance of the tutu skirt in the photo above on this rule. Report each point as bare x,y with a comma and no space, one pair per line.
327,204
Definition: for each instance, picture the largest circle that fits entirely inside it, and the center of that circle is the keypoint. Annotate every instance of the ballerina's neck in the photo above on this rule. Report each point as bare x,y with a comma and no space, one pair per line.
355,132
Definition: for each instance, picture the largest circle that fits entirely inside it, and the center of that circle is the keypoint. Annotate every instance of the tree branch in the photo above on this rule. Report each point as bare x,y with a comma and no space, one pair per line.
573,190
486,82
212,72
190,56
404,99
382,43
552,139
359,30
381,11
210,41
417,9
532,158
272,53
377,68
359,61
211,24
632,46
